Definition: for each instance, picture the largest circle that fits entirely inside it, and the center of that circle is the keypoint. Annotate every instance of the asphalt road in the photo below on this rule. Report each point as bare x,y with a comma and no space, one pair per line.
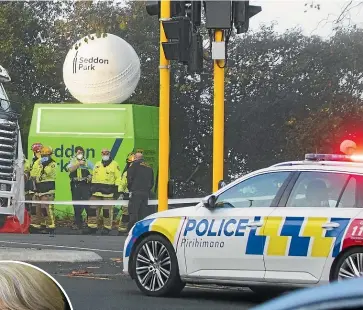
102,285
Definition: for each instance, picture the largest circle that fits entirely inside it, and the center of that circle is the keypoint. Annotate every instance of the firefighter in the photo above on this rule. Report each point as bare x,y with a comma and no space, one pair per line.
106,183
45,187
124,220
80,174
26,164
35,209
140,181
26,167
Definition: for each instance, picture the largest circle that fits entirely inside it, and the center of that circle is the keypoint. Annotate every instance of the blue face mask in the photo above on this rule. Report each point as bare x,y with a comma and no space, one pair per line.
44,159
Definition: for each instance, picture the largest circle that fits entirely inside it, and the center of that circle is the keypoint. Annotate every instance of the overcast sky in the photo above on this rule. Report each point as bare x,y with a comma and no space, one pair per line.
289,14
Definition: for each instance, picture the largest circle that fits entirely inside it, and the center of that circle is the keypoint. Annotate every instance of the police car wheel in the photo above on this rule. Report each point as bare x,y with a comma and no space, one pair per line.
349,265
155,267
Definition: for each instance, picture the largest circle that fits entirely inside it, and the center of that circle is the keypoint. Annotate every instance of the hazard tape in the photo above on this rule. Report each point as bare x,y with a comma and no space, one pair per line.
112,202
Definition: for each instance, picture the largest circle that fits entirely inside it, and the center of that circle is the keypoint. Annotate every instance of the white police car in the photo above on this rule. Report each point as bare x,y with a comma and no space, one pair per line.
292,224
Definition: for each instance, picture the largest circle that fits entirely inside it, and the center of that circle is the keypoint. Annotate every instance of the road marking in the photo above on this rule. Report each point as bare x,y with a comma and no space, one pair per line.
59,246
87,277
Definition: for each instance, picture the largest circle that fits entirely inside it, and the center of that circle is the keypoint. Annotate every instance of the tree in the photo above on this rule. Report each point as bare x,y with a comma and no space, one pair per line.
282,91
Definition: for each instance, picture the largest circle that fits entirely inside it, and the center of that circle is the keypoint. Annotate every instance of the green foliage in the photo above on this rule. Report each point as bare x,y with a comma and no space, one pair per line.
285,94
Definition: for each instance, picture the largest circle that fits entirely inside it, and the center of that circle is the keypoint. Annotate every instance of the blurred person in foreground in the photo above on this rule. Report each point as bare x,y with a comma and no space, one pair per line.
23,287
140,181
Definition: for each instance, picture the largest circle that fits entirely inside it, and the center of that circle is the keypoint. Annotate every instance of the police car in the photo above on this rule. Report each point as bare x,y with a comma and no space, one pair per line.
290,225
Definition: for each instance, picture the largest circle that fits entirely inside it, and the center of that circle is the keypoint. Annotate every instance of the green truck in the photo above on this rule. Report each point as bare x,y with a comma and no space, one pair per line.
122,128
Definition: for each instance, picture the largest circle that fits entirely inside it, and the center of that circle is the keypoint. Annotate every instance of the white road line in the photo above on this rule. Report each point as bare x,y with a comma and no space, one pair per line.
59,246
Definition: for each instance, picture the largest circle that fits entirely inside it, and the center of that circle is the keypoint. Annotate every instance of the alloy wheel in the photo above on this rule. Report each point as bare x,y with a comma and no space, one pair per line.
153,265
352,267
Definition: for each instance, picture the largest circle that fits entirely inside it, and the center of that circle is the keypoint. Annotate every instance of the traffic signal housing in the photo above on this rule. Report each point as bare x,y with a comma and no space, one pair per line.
153,8
177,8
178,32
242,12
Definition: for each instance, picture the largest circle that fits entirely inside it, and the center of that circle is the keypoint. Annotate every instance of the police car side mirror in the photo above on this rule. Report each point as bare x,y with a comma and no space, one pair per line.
221,184
210,202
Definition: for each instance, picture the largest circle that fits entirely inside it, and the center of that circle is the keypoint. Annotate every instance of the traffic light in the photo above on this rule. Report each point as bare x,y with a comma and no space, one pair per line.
242,12
218,14
178,32
193,10
195,64
153,8
177,8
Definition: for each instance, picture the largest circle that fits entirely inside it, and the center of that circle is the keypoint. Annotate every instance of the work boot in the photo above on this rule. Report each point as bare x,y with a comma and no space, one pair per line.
122,229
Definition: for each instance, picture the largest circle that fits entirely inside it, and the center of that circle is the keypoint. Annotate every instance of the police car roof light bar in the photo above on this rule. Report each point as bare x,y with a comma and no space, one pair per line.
334,157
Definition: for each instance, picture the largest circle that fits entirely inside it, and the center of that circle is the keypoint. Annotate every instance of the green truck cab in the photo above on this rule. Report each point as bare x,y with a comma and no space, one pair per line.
122,128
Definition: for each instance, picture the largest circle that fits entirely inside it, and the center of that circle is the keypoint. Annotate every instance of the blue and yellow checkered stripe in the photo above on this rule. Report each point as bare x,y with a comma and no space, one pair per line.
296,236
168,227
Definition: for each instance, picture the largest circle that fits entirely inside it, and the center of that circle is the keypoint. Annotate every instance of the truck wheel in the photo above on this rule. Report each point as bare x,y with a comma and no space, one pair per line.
155,267
349,265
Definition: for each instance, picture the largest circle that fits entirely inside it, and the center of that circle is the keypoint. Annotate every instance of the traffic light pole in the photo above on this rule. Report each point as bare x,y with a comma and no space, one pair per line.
218,117
164,114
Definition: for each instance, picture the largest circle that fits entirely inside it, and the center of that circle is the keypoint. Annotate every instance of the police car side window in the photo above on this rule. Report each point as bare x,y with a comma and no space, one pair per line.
257,191
348,199
317,189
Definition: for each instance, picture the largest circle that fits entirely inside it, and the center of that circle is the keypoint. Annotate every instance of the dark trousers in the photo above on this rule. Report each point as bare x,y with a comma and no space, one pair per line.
80,191
137,205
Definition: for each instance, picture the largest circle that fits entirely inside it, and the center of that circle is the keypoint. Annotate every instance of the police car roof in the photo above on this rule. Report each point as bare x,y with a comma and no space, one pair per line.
341,166
311,165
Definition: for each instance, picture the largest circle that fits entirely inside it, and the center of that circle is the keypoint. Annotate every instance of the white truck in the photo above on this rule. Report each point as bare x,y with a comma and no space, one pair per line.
12,195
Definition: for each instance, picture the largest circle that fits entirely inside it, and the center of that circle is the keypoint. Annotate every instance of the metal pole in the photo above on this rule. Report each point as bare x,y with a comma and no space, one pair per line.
218,117
164,114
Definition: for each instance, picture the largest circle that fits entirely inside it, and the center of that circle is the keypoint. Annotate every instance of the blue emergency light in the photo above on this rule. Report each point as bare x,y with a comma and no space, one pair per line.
334,157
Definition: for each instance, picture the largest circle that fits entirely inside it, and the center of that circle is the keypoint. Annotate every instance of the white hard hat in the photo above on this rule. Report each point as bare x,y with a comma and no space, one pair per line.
346,144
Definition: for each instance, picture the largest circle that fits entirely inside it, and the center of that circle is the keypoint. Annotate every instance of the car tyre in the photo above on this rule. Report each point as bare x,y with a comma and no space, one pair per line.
349,265
155,267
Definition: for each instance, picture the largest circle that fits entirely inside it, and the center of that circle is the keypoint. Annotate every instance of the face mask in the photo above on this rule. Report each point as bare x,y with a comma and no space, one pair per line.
105,158
44,159
80,156
37,155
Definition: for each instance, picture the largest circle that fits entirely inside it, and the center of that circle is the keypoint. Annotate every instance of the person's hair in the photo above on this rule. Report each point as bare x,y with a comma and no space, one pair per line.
26,288
79,148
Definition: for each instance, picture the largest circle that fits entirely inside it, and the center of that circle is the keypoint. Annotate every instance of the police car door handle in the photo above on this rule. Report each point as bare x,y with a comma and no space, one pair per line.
330,225
254,224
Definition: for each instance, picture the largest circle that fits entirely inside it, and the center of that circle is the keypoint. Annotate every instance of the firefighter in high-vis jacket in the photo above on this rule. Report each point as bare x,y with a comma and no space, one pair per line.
45,187
80,174
26,167
124,220
31,172
106,183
